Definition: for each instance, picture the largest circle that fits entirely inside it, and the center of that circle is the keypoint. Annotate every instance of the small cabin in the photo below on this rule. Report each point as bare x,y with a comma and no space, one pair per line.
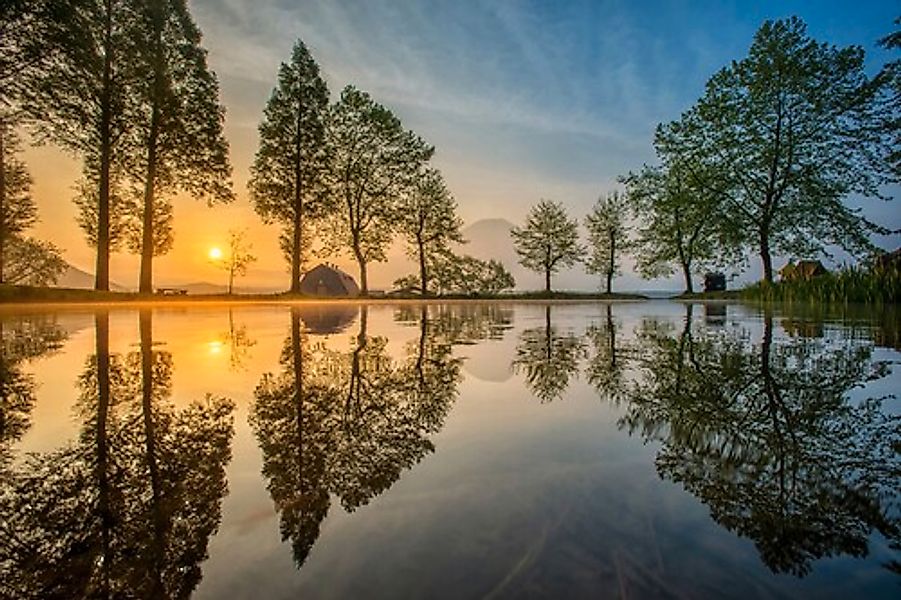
327,280
714,282
804,270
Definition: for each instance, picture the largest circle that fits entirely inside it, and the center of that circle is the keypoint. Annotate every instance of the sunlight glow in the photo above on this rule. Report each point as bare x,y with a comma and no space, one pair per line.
215,347
215,253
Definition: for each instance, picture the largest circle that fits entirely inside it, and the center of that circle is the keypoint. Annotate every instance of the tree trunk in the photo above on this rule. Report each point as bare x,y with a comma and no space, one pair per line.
101,327
147,237
423,275
2,198
765,257
611,265
361,261
296,249
145,286
101,281
297,359
231,279
547,280
159,528
686,272
297,241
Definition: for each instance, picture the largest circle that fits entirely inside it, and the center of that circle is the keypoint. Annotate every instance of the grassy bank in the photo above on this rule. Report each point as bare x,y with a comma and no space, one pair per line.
848,286
17,294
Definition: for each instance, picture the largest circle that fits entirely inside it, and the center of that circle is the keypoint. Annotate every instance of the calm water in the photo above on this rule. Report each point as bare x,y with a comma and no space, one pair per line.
638,450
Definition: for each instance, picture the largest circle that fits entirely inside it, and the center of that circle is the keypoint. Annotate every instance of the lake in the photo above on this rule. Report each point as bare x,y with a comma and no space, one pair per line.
471,450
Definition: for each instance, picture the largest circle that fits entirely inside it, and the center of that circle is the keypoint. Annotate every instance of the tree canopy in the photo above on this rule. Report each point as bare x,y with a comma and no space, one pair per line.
787,133
549,240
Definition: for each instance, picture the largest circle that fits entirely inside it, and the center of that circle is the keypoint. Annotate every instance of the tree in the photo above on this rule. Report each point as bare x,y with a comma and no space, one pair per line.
429,222
789,131
549,240
177,129
85,102
455,274
239,258
290,168
17,208
375,161
608,236
680,223
33,262
890,78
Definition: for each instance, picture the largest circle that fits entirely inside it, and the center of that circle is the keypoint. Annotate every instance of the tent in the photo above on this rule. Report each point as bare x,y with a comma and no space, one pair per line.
328,281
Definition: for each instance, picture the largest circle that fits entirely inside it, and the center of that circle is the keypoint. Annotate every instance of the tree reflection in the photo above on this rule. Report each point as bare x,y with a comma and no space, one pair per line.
607,364
347,422
127,510
548,359
21,339
460,323
766,436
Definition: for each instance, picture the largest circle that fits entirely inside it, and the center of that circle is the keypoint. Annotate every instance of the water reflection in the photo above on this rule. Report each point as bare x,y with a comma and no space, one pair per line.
607,363
128,508
347,422
22,339
548,358
764,434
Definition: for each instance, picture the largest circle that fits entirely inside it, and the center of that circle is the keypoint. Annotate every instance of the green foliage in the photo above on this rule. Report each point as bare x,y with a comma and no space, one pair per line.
428,222
549,240
608,236
849,285
467,275
290,170
680,222
375,162
787,133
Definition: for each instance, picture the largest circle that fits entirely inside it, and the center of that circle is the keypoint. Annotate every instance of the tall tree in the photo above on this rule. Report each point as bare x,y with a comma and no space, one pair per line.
608,236
288,173
429,223
680,223
790,130
177,129
549,240
375,160
85,103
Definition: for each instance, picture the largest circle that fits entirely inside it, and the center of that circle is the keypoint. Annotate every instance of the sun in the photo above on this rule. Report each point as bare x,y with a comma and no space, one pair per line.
215,253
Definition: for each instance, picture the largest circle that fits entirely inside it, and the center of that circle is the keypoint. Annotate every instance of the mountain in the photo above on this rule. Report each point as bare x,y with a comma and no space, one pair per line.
73,277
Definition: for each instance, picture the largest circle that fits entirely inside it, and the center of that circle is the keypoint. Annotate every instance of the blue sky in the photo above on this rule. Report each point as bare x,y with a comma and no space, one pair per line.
523,100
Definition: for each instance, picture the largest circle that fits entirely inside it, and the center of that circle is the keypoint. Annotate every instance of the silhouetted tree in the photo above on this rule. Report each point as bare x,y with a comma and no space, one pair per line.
375,161
238,259
177,129
289,172
549,240
86,103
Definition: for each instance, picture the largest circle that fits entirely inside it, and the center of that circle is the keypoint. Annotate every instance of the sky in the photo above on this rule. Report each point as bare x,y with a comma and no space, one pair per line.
522,100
